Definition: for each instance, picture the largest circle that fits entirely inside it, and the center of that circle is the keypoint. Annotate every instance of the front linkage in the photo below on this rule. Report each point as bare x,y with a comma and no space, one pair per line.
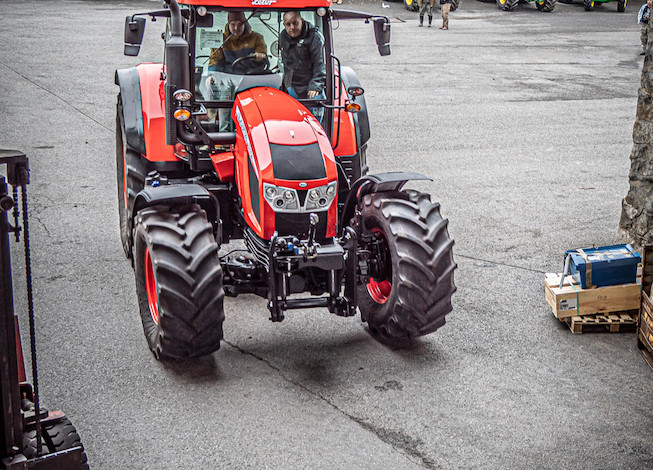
355,259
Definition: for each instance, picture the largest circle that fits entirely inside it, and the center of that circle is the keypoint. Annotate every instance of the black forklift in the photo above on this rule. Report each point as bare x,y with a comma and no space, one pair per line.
28,439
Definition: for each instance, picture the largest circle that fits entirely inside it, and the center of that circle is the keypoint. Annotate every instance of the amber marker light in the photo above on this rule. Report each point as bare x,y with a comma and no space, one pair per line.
353,107
182,115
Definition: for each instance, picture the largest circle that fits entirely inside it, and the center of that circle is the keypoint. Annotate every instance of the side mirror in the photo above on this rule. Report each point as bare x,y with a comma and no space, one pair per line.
134,29
382,35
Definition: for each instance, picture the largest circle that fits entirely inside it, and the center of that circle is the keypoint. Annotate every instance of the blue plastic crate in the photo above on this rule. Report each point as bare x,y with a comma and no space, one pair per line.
604,265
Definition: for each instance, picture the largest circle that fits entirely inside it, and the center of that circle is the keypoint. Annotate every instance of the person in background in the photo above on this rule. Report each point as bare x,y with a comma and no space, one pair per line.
644,18
423,5
445,5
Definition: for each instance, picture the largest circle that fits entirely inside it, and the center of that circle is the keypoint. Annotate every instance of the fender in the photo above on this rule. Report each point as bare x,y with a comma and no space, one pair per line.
145,88
343,135
175,195
361,120
132,110
378,183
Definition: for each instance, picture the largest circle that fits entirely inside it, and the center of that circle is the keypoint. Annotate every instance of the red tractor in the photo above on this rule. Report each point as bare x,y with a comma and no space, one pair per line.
208,157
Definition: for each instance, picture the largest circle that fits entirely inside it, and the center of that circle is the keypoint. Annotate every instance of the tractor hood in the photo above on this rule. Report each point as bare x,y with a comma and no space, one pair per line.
287,122
281,146
279,133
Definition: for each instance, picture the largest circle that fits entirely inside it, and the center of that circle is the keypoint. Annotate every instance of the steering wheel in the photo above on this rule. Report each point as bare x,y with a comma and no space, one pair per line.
263,67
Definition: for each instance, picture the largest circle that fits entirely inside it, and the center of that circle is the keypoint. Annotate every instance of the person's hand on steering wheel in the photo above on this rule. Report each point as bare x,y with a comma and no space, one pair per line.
256,56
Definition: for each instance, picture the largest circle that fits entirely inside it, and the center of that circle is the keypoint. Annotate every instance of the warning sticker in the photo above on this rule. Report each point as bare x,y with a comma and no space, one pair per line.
210,39
568,304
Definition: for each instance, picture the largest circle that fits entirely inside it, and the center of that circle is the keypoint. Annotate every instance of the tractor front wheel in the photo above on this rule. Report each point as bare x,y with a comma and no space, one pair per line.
55,436
410,284
621,5
588,4
454,5
178,282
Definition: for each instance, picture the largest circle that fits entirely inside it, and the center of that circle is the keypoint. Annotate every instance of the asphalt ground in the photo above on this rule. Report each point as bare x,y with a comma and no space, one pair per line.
523,121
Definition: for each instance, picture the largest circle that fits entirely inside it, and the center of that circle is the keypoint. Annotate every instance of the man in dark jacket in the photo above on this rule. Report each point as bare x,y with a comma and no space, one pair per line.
302,54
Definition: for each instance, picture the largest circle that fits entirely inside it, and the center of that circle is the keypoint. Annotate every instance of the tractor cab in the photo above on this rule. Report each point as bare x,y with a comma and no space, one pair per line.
204,37
220,72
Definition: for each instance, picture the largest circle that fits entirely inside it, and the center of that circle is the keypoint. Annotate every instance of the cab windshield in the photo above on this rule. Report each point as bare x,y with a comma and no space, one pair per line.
241,50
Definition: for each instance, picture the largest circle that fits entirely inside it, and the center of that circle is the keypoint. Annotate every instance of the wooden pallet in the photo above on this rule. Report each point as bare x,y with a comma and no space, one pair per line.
571,300
614,322
645,329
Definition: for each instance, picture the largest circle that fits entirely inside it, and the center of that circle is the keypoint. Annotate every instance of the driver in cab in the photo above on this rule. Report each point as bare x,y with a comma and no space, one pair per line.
239,42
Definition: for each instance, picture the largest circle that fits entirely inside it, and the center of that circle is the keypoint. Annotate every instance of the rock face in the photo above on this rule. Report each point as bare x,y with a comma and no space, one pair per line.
636,224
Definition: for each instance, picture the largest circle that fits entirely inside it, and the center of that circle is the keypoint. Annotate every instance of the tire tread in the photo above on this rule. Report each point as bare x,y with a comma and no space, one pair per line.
422,265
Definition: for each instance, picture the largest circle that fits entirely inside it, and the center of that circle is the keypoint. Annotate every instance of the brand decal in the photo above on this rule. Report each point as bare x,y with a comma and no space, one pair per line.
263,2
243,129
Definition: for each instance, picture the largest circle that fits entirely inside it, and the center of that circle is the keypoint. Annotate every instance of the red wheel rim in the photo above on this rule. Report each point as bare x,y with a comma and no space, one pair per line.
150,288
381,289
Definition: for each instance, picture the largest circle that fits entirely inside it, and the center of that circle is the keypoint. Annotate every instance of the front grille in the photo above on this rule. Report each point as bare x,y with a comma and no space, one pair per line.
297,224
258,247
347,163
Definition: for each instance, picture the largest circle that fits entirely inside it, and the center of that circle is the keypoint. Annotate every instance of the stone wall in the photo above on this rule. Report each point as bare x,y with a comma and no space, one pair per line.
636,224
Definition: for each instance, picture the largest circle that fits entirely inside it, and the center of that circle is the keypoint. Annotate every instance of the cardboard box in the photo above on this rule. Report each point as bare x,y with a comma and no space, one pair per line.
604,266
571,300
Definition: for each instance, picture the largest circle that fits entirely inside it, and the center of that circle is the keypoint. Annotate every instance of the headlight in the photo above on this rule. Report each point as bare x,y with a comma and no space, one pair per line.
270,191
182,95
283,199
321,198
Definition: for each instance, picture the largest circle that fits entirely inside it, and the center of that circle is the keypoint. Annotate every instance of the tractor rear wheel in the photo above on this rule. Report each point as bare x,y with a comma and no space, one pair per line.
410,292
546,5
55,436
507,5
178,282
130,179
588,4
621,5
411,5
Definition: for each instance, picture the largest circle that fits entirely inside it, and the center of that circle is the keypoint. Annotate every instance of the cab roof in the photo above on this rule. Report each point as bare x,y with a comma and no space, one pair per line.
249,4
